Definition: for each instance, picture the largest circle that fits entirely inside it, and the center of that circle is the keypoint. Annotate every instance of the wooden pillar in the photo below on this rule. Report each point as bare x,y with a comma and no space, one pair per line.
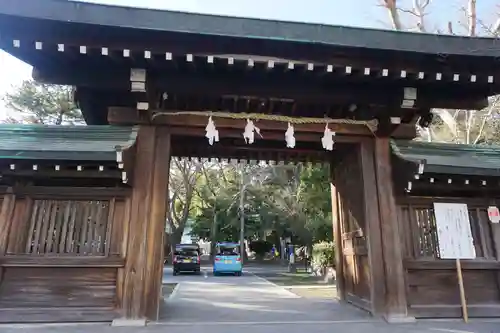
144,261
337,236
396,304
372,220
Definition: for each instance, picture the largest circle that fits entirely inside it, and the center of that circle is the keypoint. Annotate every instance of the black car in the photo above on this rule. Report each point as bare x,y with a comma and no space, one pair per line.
186,258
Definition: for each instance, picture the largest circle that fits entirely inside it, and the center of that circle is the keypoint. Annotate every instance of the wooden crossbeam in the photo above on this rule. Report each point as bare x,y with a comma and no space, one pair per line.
194,125
263,125
49,174
297,88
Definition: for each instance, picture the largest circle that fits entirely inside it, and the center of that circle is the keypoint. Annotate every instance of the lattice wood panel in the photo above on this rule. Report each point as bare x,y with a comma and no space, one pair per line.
419,226
68,227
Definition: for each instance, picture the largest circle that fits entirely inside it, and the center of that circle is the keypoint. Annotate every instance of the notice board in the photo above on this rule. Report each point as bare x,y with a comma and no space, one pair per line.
454,231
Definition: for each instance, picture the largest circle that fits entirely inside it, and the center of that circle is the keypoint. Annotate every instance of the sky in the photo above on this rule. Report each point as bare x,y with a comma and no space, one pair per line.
360,13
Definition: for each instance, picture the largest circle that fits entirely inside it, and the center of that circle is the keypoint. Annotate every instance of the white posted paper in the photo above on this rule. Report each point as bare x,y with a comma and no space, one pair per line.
454,231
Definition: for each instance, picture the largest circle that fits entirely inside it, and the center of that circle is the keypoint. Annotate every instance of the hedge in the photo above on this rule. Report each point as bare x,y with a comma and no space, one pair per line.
323,254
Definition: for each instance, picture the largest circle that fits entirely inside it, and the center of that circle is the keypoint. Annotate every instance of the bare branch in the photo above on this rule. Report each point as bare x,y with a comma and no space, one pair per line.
408,11
495,28
489,30
419,11
492,107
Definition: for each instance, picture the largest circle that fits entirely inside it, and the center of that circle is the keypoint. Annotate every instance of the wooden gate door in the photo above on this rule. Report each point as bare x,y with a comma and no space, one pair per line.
352,244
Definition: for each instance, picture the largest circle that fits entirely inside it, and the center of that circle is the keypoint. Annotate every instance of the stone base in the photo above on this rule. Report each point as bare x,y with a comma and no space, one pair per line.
399,319
123,322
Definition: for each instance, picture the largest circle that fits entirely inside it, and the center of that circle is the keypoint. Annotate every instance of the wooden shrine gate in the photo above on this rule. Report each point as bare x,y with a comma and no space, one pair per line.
357,172
148,93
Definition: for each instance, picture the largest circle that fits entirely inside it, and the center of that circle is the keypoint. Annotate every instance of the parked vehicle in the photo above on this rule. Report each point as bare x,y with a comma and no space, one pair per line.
186,258
227,259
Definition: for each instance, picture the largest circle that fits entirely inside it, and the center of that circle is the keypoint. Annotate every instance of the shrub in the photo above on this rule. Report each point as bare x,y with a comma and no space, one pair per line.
323,255
260,247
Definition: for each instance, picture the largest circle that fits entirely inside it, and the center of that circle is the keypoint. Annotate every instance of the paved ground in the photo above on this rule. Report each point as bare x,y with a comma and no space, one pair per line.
248,304
295,327
209,299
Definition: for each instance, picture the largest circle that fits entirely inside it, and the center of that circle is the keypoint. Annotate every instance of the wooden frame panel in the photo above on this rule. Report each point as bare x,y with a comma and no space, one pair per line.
67,286
431,283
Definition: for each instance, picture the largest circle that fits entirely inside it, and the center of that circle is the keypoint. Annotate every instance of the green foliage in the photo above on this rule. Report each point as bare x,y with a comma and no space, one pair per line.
279,201
261,247
41,103
323,254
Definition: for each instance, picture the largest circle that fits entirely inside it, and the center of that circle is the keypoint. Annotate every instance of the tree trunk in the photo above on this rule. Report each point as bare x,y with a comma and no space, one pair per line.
175,238
167,247
242,218
213,235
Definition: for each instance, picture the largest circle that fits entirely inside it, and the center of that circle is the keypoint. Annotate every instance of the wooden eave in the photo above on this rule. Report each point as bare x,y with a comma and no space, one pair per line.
205,62
451,169
140,26
58,153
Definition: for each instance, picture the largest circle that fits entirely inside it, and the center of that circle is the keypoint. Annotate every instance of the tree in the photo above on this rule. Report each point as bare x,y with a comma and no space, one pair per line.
300,196
184,175
219,197
457,126
40,103
280,201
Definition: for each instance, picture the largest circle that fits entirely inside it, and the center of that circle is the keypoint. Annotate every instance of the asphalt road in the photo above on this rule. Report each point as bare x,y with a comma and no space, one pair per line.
223,304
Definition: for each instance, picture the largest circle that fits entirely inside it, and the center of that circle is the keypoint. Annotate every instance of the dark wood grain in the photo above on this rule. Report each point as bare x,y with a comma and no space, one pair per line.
373,227
67,227
351,213
392,246
337,236
157,216
78,193
58,315
7,209
142,272
28,287
433,289
433,264
454,311
60,261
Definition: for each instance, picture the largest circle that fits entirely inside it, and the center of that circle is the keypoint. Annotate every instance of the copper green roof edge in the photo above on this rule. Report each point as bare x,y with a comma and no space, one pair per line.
57,155
485,158
449,147
397,151
69,142
134,130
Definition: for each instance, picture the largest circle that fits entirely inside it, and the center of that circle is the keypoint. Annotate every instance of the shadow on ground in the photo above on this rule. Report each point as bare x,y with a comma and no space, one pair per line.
247,299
